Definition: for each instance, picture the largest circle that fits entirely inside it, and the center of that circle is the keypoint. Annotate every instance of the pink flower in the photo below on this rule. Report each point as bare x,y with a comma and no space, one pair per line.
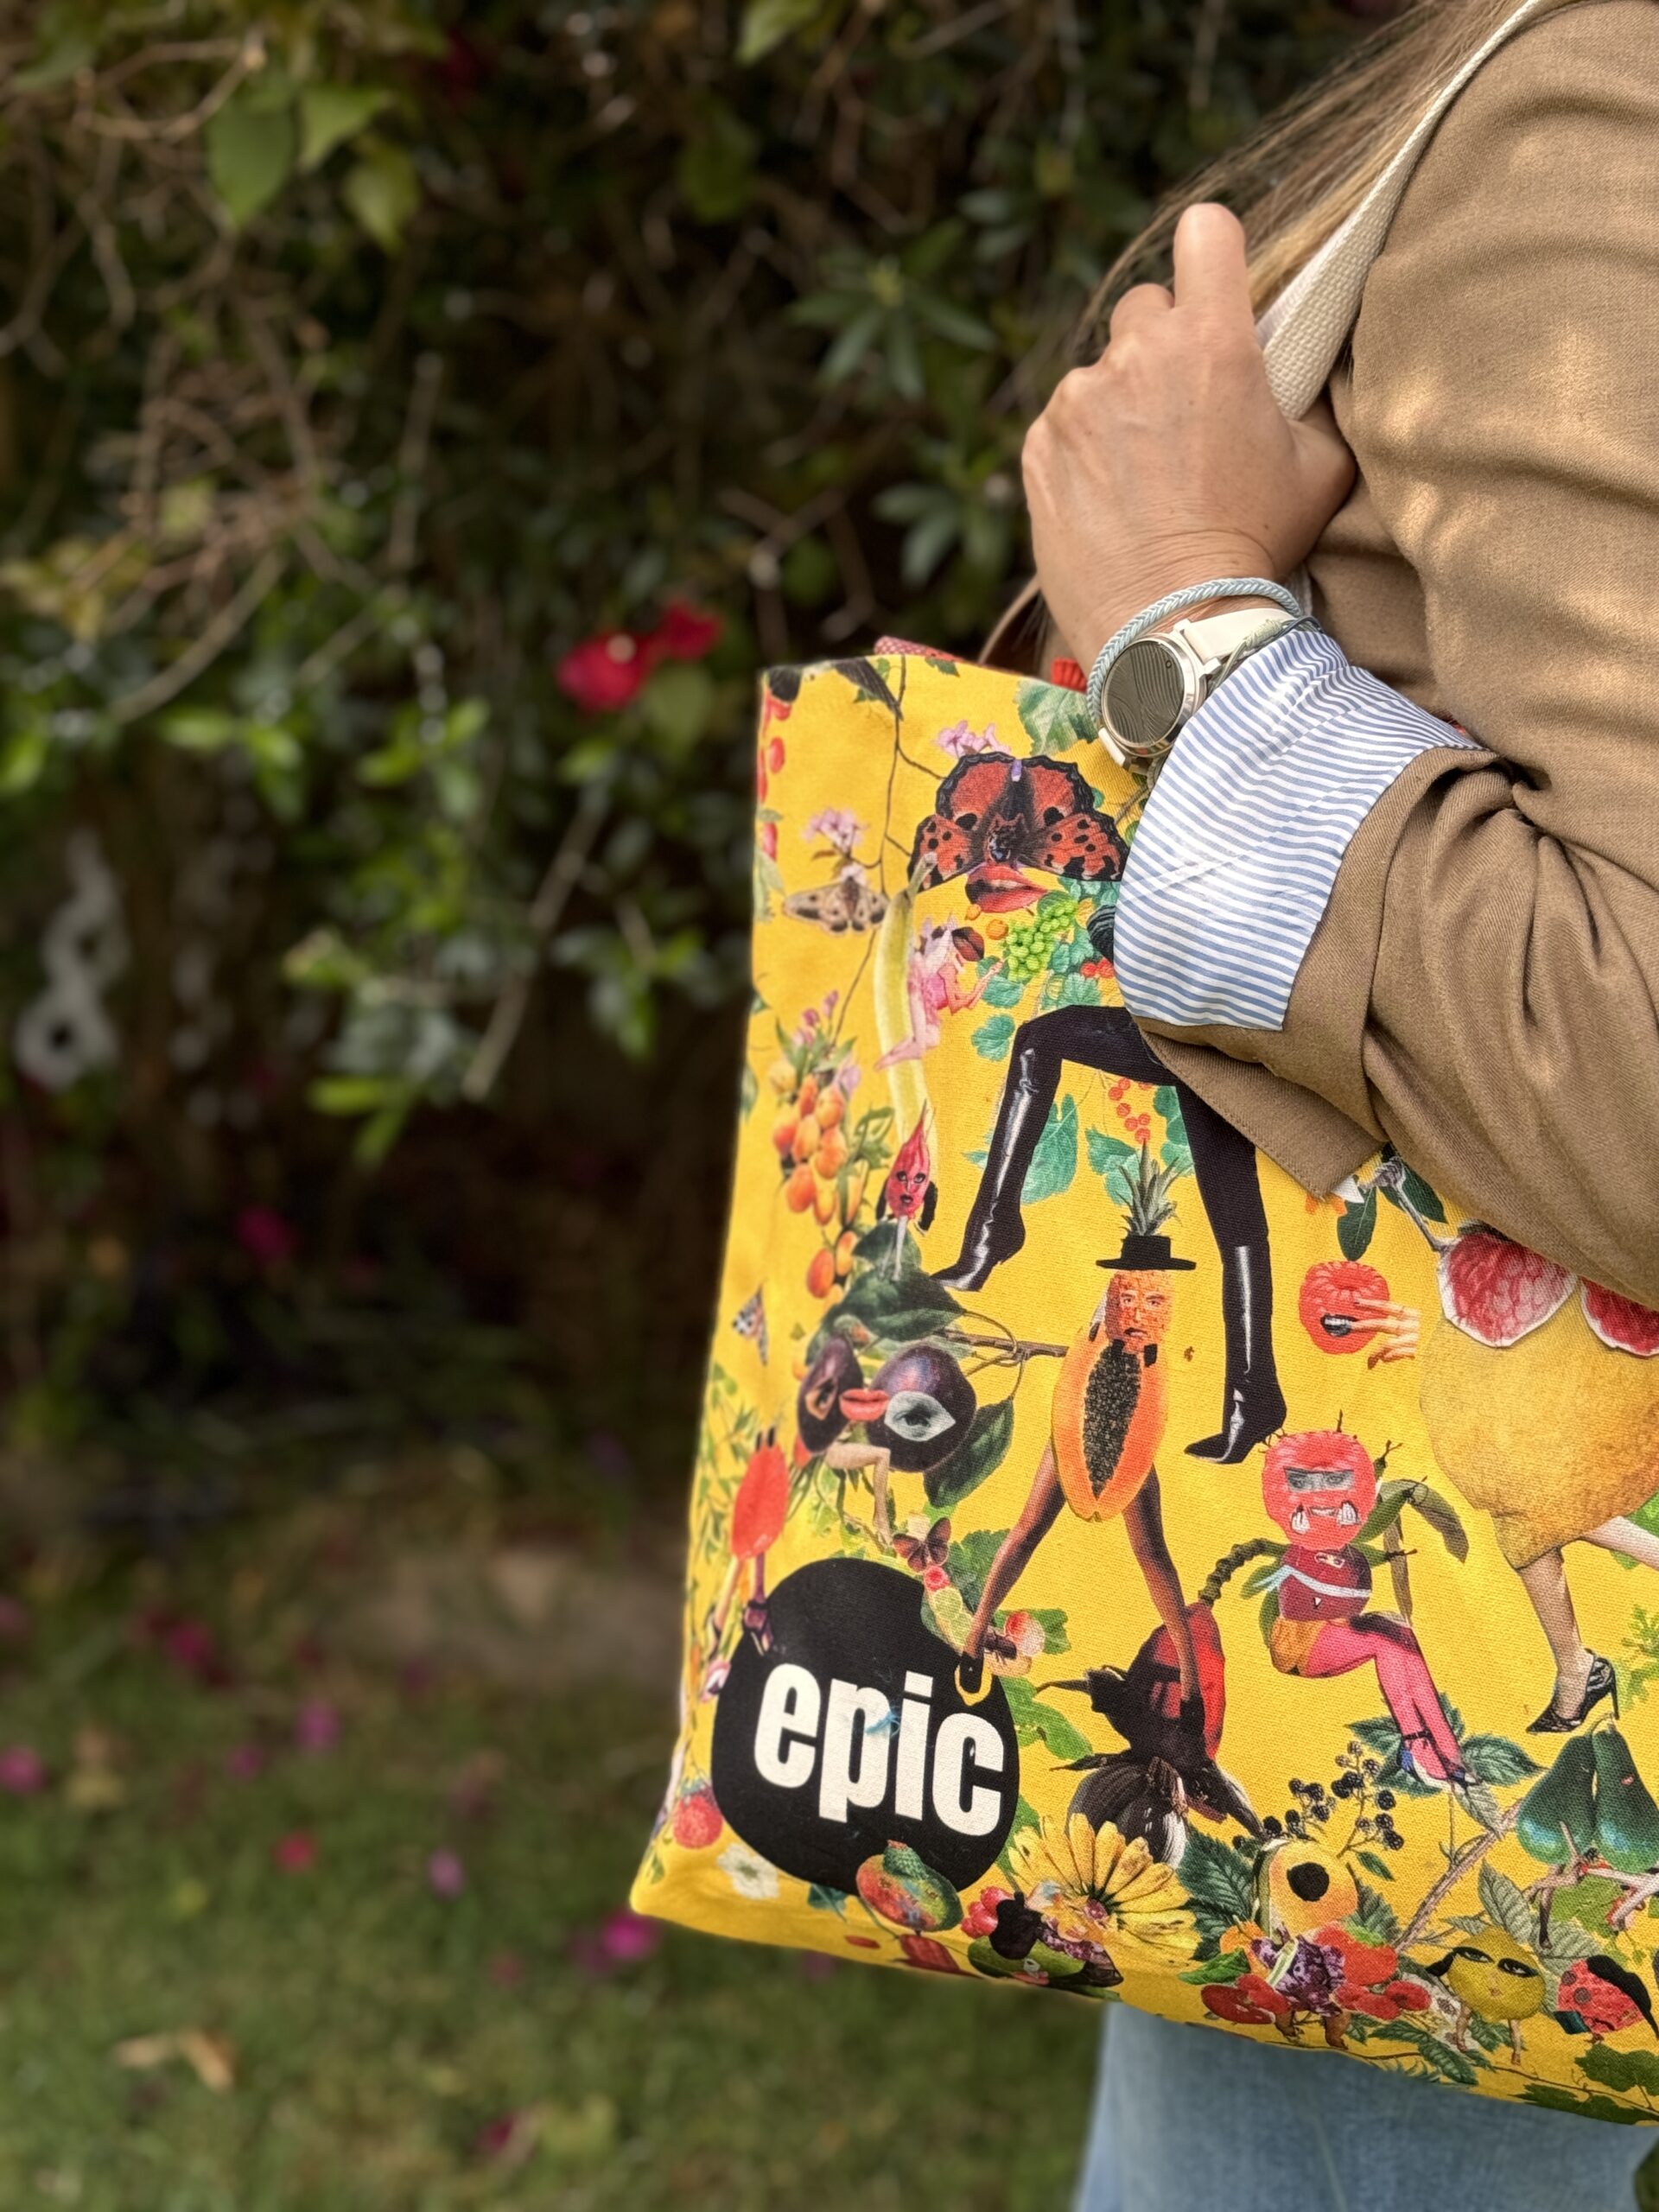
297,1853
936,1578
265,1236
188,1643
509,2136
316,1727
446,1876
23,1771
15,1626
506,1969
244,1762
962,738
836,826
622,1939
604,672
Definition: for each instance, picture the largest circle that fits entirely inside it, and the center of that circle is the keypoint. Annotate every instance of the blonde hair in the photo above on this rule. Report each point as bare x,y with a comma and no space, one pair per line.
1292,184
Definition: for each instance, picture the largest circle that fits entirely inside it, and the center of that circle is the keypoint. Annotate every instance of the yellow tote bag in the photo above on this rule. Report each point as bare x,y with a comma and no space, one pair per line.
1112,1571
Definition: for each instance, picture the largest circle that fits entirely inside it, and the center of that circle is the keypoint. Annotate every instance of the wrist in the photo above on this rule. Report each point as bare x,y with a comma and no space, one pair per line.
1152,580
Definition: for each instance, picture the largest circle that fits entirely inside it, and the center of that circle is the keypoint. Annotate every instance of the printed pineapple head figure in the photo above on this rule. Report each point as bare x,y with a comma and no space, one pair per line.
1109,1404
1136,1303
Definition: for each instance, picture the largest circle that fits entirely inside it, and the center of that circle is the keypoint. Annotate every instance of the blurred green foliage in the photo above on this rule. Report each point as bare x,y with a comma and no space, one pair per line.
370,372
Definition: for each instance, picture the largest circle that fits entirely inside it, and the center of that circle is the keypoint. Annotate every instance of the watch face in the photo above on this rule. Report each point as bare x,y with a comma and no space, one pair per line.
1145,693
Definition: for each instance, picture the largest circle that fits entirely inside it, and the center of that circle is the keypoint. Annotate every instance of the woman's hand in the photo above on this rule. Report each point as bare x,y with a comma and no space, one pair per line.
1167,461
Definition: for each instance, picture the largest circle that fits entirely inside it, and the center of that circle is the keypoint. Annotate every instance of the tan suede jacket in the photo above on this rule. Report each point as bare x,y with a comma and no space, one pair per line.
1483,988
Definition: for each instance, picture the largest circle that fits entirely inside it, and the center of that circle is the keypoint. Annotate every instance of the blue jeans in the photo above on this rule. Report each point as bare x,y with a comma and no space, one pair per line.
1188,2119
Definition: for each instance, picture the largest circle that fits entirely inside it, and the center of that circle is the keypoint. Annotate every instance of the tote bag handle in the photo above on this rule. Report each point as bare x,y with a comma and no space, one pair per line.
1306,327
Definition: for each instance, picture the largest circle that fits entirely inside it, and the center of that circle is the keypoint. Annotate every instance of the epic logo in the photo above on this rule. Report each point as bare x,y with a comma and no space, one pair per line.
850,1733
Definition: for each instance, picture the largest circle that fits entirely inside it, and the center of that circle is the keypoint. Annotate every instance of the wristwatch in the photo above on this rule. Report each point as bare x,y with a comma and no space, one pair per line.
1158,682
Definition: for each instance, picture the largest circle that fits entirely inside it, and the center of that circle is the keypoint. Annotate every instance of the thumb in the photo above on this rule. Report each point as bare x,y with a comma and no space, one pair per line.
1322,457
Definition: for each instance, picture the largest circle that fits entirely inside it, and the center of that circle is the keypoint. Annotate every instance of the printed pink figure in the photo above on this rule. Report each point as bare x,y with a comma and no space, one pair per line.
935,986
909,1195
1320,1486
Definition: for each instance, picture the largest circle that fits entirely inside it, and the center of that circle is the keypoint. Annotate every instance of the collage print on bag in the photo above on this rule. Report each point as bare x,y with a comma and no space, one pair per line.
1112,1570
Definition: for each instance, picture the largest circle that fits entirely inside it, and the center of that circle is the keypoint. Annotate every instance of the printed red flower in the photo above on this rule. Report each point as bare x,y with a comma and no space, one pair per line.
768,840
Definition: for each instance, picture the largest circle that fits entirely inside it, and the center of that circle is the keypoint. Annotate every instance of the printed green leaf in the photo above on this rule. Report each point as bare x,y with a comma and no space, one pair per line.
1052,1619
1622,2069
1214,1874
1052,717
1107,1154
1212,1974
992,1039
821,1898
1374,1862
1355,1225
1554,2099
1002,989
1421,1196
1506,1907
1035,1722
980,1452
1496,1760
1054,1163
1374,1916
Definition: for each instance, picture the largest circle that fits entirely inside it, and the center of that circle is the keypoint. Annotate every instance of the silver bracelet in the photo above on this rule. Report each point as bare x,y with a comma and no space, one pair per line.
1176,603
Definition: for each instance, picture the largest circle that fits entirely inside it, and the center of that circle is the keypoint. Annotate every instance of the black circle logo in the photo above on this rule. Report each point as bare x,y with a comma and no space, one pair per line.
848,1732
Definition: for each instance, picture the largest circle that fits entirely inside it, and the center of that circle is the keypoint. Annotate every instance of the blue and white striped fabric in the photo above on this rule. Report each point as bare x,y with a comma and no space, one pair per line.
1238,845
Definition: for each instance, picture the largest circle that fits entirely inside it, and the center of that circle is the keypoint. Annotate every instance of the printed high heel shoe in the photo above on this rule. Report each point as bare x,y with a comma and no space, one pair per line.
1599,1683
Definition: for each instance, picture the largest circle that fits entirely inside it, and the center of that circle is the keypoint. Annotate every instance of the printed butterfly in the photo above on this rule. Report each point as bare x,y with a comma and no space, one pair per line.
750,1321
919,1553
995,817
851,902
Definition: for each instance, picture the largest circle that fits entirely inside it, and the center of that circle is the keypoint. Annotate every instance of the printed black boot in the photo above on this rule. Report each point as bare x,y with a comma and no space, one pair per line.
995,1230
1252,1404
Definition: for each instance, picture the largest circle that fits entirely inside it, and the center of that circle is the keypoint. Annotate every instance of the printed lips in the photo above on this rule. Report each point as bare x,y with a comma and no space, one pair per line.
1331,1300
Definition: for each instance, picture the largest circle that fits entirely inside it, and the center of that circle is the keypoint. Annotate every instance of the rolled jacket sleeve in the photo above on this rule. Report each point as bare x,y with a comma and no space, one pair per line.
1480,985
1241,840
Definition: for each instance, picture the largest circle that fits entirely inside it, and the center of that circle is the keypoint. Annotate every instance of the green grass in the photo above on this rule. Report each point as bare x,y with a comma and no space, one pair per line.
379,2031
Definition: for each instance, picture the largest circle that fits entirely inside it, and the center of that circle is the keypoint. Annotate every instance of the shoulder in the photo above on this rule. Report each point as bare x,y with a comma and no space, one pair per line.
1567,107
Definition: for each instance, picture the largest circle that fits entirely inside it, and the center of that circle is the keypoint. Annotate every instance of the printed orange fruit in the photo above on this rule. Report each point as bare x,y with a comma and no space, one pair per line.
800,1190
821,1272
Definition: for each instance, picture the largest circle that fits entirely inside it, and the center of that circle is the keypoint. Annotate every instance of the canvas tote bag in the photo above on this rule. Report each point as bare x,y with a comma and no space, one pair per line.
1103,1557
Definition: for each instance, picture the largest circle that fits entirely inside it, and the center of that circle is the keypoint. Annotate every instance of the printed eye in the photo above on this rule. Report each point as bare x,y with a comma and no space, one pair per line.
1300,1478
916,1416
1519,1967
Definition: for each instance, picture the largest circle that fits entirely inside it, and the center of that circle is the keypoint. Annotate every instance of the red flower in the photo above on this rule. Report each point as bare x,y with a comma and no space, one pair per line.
296,1853
604,672
684,632
265,1237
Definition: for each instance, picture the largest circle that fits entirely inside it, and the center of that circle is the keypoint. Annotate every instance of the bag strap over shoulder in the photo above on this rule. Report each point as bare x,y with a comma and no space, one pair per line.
1306,327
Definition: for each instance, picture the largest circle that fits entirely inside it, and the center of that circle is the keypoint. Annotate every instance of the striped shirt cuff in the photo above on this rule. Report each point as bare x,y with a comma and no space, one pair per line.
1239,843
